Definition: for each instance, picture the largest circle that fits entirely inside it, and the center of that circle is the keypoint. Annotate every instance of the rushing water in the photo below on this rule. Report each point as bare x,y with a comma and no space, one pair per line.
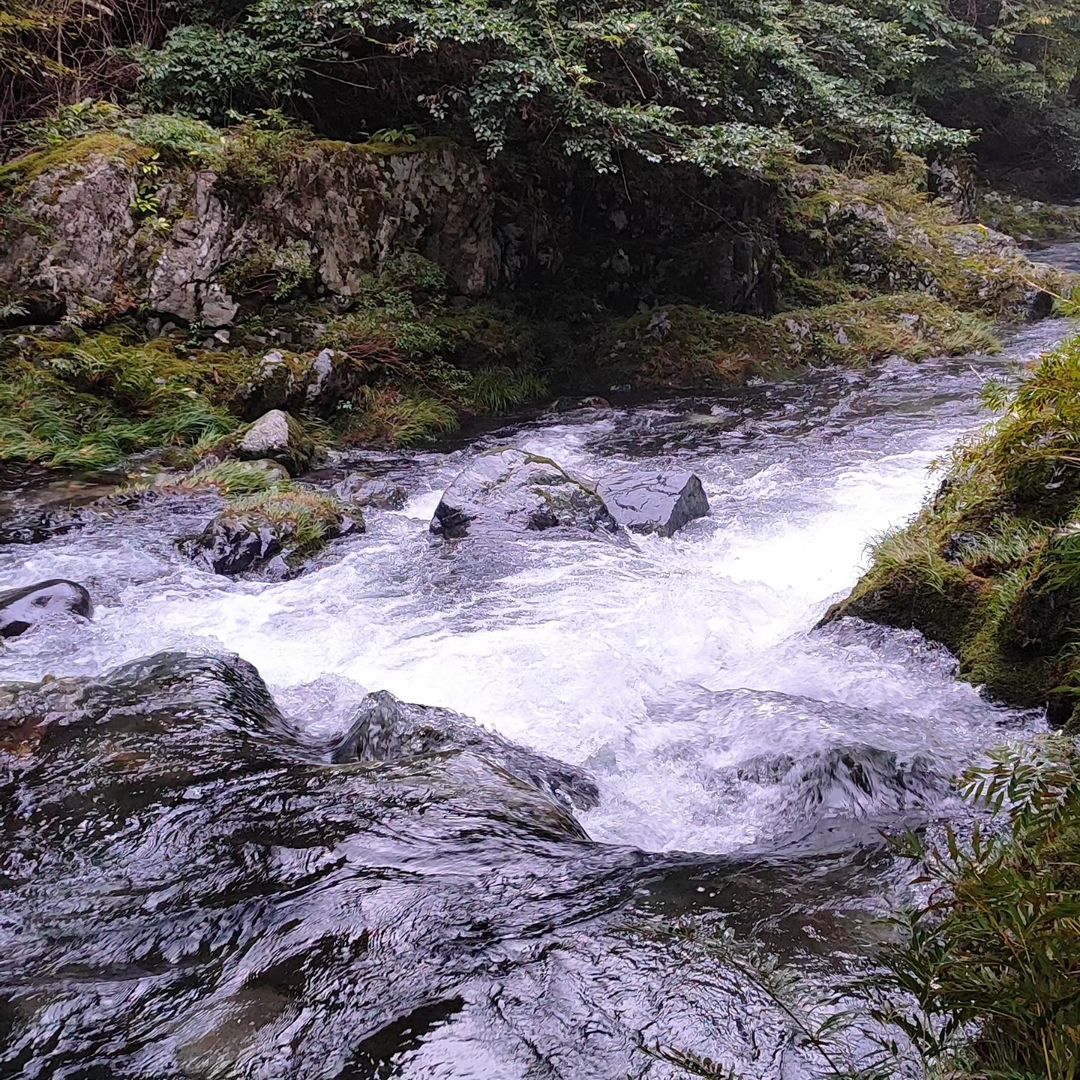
682,673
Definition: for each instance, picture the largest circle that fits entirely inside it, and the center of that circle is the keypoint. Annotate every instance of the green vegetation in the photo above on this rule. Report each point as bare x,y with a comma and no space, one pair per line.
991,961
684,346
305,517
1029,219
991,566
94,401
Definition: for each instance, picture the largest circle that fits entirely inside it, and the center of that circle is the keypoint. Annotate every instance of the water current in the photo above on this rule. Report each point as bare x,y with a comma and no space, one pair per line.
746,764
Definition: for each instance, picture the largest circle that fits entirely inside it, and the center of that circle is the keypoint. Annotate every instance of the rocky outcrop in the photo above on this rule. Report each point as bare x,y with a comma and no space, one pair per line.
21,609
387,729
655,503
80,245
293,382
509,492
271,534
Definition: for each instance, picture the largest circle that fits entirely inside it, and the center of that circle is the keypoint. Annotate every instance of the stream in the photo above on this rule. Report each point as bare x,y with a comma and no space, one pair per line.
194,893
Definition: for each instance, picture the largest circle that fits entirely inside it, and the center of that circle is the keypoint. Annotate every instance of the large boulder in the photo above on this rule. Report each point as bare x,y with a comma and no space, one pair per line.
386,729
655,502
511,492
21,609
308,382
272,534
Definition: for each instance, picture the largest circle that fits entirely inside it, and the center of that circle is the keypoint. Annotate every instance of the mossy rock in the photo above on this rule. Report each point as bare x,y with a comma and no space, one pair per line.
272,533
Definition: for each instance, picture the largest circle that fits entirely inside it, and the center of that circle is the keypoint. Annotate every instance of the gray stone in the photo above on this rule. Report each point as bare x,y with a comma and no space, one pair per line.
77,245
386,729
21,609
275,436
508,492
655,502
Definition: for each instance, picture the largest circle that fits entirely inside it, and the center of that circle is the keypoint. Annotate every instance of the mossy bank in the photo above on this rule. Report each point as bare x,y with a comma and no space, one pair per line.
990,567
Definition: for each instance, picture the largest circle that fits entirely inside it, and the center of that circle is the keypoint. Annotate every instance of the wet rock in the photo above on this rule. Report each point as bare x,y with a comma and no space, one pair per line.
655,503
510,492
379,493
271,534
235,544
21,609
276,436
386,729
36,526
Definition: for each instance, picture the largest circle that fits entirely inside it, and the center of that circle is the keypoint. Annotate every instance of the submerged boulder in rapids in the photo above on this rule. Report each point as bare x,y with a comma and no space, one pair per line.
36,526
655,502
20,609
510,491
386,729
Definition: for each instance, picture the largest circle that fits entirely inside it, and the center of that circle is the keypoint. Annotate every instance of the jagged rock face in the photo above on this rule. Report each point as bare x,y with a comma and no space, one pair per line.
386,729
83,248
655,503
509,492
23,608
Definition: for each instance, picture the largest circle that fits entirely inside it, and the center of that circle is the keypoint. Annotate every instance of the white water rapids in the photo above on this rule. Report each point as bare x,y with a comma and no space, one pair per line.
663,665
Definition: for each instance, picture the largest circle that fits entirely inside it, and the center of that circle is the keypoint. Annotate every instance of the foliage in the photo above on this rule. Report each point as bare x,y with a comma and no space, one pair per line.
994,952
94,401
685,346
273,272
310,518
737,84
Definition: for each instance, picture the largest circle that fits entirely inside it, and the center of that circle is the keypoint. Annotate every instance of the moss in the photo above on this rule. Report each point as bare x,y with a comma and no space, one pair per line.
422,145
72,154
689,347
308,519
882,232
1027,219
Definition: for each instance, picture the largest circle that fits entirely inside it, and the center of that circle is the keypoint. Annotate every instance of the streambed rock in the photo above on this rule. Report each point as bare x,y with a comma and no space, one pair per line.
271,534
23,608
386,729
655,502
510,492
36,526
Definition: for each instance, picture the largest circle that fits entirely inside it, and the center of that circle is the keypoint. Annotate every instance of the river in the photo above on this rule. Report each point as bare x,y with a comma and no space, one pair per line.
746,765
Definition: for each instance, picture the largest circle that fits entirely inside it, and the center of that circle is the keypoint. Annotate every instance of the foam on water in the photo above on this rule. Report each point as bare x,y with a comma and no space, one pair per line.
601,653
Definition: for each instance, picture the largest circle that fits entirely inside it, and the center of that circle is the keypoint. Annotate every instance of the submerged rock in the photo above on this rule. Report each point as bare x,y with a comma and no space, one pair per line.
276,436
271,533
21,609
386,729
36,526
655,503
512,492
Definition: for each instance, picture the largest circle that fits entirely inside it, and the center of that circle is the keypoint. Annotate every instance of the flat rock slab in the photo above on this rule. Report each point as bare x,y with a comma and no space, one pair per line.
655,502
